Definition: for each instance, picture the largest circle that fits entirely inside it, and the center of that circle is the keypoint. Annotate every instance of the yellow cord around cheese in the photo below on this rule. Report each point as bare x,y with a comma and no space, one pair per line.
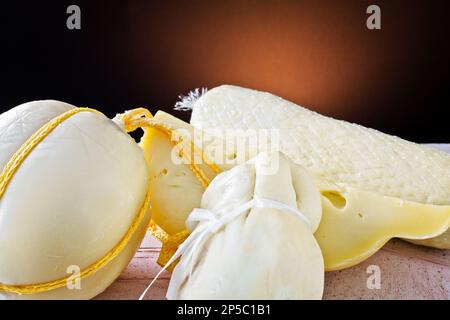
7,174
142,118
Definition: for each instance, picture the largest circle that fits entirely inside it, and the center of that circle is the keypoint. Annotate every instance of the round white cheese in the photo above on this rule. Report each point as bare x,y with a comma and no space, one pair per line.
70,202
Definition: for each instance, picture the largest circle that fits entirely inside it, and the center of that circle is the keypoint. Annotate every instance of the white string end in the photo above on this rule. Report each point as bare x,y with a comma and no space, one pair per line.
186,102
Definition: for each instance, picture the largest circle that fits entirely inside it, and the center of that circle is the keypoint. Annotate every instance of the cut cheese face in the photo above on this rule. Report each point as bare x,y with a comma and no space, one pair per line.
355,223
343,153
70,202
175,190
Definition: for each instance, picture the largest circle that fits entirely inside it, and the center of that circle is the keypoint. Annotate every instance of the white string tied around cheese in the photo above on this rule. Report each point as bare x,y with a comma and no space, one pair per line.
204,223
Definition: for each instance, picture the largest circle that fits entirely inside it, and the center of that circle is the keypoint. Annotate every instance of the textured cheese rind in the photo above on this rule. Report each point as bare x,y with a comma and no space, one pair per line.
341,152
367,219
71,200
234,264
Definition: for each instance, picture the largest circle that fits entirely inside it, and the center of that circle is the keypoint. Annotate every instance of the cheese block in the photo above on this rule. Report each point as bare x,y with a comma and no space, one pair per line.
355,222
240,210
75,205
344,153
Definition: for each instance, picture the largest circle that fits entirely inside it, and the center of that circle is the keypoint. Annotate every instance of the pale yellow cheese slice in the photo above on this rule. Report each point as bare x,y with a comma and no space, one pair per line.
174,187
355,223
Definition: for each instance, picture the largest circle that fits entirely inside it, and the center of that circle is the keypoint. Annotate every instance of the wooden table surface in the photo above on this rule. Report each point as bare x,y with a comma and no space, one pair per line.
407,271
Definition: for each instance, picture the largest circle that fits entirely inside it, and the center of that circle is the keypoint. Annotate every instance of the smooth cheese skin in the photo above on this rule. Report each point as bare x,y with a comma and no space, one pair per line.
71,200
341,152
355,223
234,264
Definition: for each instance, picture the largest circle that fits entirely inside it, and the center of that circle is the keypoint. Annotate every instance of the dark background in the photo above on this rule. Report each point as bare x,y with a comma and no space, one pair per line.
318,54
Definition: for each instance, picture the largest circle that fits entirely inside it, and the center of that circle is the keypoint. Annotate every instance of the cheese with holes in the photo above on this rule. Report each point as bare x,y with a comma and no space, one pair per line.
70,201
175,190
343,153
355,222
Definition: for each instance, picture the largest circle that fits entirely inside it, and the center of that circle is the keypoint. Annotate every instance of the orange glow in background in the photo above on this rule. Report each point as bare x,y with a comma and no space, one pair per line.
318,54
315,53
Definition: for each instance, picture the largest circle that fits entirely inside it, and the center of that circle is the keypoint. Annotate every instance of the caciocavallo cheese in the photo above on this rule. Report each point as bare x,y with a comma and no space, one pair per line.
355,222
73,213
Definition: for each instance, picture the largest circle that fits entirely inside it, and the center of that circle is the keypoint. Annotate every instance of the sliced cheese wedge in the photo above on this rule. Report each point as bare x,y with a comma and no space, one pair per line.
355,223
344,153
175,188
